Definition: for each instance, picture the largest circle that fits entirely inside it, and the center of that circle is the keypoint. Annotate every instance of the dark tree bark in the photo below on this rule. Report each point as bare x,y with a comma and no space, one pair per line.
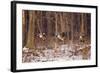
30,38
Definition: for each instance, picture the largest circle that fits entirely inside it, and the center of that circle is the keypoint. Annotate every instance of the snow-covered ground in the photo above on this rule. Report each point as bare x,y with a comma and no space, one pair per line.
62,53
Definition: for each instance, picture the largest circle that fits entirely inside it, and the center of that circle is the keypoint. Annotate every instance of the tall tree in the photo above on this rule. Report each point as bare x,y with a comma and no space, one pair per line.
30,38
24,26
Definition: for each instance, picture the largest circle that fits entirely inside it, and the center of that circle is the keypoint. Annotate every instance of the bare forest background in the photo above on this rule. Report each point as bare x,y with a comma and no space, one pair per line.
69,25
51,35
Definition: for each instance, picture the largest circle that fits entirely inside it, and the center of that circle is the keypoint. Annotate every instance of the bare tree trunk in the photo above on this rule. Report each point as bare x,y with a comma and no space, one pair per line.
62,22
72,28
82,24
23,27
56,32
30,40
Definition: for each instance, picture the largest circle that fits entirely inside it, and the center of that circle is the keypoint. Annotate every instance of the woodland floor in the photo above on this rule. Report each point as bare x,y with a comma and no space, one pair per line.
62,53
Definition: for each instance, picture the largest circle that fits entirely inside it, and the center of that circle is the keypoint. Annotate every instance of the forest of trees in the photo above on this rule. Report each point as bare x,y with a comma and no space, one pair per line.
45,28
51,35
